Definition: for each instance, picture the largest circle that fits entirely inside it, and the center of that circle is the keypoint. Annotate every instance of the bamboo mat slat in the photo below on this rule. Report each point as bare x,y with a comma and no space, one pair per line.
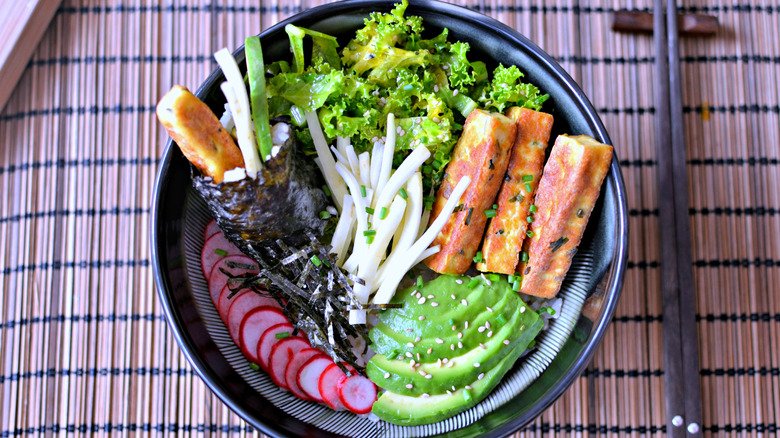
85,350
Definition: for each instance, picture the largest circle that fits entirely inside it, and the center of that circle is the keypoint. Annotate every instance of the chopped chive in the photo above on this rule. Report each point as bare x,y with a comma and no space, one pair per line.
494,277
324,214
548,310
282,335
495,206
403,193
500,319
363,191
428,205
436,164
490,213
369,210
530,219
528,188
427,169
524,256
533,208
478,258
370,240
528,178
220,252
369,225
383,213
254,366
429,198
369,233
326,263
419,281
326,190
516,286
316,260
473,283
510,278
529,233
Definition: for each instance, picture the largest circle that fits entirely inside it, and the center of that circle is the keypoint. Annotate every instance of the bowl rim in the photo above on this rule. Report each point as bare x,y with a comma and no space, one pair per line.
620,254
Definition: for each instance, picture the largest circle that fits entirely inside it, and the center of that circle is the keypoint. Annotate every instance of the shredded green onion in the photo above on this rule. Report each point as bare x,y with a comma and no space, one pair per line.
533,208
490,213
473,283
220,252
383,213
528,178
530,219
403,193
510,278
500,319
529,233
495,206
369,210
524,256
528,188
324,214
516,286
282,335
428,205
369,233
254,366
316,260
326,190
363,191
494,277
370,240
419,281
478,258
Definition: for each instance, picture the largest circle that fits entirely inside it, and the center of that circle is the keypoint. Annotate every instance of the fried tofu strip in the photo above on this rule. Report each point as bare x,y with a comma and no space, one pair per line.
197,131
505,234
482,153
567,193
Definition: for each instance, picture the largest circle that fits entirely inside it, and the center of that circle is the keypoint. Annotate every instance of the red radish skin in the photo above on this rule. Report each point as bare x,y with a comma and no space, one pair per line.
328,386
295,365
254,324
211,229
357,393
243,305
282,354
268,340
209,256
223,303
218,279
308,378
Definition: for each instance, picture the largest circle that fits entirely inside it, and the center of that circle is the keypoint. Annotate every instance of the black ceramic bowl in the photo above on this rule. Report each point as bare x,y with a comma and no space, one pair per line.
490,41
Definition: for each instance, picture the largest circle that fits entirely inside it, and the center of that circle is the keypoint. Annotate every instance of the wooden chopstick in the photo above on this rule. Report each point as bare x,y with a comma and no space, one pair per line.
681,348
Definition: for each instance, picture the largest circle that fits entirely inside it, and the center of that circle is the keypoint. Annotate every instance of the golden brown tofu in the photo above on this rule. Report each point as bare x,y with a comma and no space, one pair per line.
565,198
198,132
482,153
505,234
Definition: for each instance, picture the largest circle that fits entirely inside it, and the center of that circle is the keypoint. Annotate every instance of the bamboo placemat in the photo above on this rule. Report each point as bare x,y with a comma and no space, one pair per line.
84,348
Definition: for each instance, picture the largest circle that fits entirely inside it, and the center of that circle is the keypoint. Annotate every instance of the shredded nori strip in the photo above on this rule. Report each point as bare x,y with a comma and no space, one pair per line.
555,246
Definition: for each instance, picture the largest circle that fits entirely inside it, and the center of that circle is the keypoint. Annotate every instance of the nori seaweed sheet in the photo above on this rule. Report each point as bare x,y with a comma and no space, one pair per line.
282,202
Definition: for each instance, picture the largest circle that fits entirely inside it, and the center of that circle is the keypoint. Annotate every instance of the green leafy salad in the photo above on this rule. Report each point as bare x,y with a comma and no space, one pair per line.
429,84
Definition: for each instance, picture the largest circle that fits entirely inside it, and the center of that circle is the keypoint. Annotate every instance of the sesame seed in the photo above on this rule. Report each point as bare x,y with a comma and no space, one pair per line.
487,324
453,296
417,339
490,309
412,362
455,92
490,333
430,350
481,329
421,300
408,354
445,360
387,375
506,341
413,292
479,377
522,327
410,345
522,309
436,120
434,304
421,318
422,373
438,363
459,281
466,324
449,392
460,335
430,297
409,386
435,88
476,364
453,388
468,387
451,364
483,346
409,330
425,395
460,344
464,302
429,376
445,67
452,347
418,356
439,340
454,328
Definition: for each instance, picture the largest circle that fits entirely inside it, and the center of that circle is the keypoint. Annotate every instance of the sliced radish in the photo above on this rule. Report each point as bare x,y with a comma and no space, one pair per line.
211,229
241,306
269,339
254,324
295,365
282,354
223,303
309,376
357,393
218,279
216,248
328,386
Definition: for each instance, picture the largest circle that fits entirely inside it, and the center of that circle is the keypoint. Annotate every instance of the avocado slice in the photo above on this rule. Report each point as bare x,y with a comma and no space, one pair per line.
406,410
520,330
391,343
